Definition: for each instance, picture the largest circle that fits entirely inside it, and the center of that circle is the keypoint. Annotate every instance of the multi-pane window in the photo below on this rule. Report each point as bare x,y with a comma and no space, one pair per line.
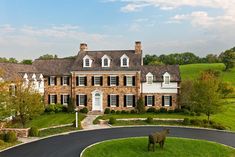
129,100
106,62
124,62
113,100
149,79
65,80
81,99
113,80
81,81
87,62
167,79
97,80
167,100
52,99
65,99
52,80
129,81
149,100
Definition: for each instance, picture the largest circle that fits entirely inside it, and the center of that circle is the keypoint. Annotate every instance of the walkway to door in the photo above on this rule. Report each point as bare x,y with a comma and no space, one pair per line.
87,123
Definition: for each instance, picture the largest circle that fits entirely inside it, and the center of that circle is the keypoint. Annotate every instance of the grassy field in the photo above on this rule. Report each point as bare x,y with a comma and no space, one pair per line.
174,147
59,130
7,145
48,120
192,71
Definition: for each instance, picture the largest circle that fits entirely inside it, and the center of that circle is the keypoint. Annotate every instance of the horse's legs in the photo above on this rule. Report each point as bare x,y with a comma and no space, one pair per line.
154,146
163,143
149,146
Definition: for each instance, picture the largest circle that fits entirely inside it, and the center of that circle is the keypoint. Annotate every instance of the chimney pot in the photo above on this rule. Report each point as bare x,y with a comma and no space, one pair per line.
83,47
138,47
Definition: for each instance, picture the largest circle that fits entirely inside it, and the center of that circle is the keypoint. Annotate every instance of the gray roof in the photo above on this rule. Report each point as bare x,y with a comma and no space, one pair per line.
12,71
134,60
158,72
54,66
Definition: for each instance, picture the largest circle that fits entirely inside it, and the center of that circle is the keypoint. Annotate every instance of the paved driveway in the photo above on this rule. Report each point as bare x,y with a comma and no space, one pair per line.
72,144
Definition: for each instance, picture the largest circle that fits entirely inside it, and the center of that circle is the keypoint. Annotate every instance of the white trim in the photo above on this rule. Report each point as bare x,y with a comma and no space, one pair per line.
100,80
111,81
50,77
103,58
132,100
64,84
51,98
66,94
79,80
166,74
80,99
127,81
105,72
149,75
110,100
93,100
152,100
121,60
84,61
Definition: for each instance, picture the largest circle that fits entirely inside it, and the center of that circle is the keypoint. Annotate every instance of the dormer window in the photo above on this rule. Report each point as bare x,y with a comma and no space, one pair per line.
166,78
149,78
105,61
124,61
87,61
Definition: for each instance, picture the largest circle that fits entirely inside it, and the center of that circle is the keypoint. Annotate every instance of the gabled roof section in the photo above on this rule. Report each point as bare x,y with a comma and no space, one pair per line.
159,70
13,71
134,60
54,66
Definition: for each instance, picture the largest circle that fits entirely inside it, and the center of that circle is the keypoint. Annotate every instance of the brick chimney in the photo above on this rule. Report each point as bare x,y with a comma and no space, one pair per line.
83,47
138,48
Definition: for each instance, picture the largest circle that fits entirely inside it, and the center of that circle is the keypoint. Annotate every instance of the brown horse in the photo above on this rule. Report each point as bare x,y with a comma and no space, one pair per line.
157,137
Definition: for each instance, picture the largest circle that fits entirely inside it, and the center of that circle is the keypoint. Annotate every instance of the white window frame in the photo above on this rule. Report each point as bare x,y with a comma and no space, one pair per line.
110,80
127,58
149,76
52,79
64,103
79,103
165,76
127,95
85,59
79,83
150,96
95,82
108,61
167,96
52,96
110,98
65,84
128,83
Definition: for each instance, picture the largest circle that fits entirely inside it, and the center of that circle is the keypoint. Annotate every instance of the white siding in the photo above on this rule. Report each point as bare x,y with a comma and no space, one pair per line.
159,87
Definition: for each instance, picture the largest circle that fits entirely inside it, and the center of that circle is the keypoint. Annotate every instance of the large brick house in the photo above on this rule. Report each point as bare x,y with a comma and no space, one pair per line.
113,79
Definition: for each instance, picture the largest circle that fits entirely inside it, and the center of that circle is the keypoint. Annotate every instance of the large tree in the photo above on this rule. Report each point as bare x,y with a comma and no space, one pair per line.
48,56
27,61
228,58
27,103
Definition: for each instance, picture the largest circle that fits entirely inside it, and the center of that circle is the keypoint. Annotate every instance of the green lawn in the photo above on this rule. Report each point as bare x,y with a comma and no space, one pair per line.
59,130
174,147
48,120
191,71
7,145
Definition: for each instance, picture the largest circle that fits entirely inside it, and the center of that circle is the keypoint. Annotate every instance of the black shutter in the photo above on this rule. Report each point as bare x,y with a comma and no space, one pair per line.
68,99
85,78
92,80
117,81
77,80
124,100
69,80
108,81
133,100
101,80
145,100
77,99
108,100
55,99
49,81
61,81
153,101
49,100
133,80
124,80
163,101
55,80
85,100
170,100
61,99
117,98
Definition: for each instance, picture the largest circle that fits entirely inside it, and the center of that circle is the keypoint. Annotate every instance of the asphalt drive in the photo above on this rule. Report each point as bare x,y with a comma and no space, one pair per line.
71,145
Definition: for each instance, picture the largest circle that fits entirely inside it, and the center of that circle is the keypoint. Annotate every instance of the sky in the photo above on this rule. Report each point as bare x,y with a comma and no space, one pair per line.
31,28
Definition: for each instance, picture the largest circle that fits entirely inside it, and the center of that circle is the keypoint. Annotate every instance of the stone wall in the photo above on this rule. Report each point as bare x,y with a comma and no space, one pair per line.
19,132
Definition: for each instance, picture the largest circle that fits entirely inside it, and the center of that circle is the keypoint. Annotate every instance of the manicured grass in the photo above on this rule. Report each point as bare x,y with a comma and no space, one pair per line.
143,122
54,131
174,147
191,71
7,145
48,120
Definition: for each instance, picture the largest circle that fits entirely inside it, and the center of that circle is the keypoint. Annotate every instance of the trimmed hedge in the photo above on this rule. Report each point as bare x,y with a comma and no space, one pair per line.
84,110
33,131
149,120
112,120
10,137
107,111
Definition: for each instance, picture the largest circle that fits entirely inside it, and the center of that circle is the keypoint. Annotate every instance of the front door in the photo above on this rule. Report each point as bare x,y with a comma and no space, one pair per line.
97,102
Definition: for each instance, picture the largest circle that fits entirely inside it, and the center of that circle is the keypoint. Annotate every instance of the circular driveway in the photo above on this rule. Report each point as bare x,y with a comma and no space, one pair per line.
71,145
